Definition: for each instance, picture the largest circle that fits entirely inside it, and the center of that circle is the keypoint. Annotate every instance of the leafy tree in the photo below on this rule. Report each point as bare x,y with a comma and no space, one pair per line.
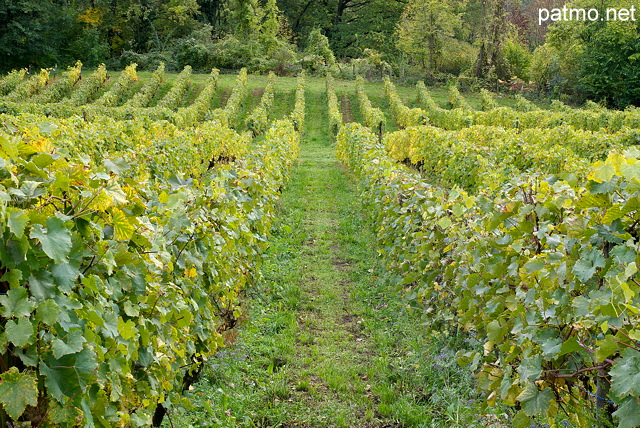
30,33
595,60
424,29
270,26
306,15
211,13
492,37
350,25
371,26
318,54
244,16
517,57
318,44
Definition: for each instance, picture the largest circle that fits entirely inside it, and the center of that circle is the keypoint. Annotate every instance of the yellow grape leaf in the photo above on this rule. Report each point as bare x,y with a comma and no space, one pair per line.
9,149
629,294
614,213
122,229
17,390
101,202
591,201
635,310
42,145
634,334
630,169
602,172
127,329
115,192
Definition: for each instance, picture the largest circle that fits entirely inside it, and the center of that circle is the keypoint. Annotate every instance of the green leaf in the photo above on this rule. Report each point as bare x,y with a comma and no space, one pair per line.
41,286
17,390
530,368
28,356
127,329
20,333
630,171
17,220
55,239
73,344
603,171
614,213
13,277
521,420
69,375
534,402
131,309
551,347
628,414
86,410
591,201
606,348
570,345
64,275
535,265
625,375
47,127
43,160
495,332
16,303
8,148
444,222
47,312
586,266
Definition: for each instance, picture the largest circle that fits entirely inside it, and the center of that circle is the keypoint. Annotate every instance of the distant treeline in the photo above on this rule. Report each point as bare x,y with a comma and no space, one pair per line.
477,41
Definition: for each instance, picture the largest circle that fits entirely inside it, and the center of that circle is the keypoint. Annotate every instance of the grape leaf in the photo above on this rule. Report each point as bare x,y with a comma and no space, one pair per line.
625,375
606,348
586,266
72,345
535,402
127,329
20,333
55,239
41,286
570,345
115,192
17,220
531,368
122,229
17,390
70,374
521,420
628,414
64,275
16,303
630,171
603,172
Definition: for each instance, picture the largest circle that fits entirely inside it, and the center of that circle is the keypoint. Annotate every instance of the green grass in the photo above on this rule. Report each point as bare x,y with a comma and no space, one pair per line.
326,343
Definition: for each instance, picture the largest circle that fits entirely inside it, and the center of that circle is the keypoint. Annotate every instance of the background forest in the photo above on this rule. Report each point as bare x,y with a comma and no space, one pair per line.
497,43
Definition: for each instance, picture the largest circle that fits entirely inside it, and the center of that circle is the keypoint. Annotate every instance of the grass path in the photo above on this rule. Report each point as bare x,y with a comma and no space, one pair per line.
325,343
